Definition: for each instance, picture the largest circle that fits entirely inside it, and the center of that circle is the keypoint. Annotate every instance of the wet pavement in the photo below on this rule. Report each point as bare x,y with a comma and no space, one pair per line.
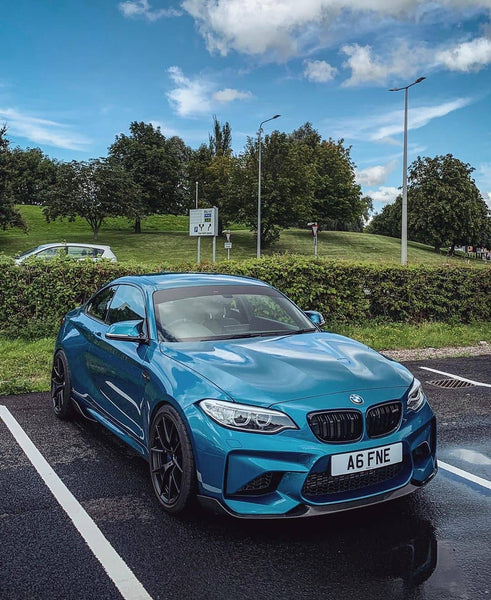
433,544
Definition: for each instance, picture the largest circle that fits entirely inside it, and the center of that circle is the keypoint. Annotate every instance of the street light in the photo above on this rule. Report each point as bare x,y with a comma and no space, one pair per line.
258,253
404,173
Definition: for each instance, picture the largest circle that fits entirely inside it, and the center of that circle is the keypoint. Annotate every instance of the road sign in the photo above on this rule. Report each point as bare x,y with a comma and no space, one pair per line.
315,228
203,222
227,245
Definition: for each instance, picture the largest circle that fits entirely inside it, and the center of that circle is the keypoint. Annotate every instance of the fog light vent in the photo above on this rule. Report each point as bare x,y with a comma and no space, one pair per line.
263,484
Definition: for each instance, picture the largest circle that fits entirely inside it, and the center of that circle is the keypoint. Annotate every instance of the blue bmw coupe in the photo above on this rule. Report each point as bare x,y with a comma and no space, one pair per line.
235,397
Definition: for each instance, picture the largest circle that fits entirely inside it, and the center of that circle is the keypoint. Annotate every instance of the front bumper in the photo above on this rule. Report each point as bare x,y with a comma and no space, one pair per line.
305,510
230,462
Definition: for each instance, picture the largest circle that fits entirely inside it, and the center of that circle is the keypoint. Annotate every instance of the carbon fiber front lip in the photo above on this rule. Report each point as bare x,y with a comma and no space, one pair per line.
304,510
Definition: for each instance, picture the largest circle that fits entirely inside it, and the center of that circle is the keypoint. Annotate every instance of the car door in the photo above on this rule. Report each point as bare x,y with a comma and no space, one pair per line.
118,369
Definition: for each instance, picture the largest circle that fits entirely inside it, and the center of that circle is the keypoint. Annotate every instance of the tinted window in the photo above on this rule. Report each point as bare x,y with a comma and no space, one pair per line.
51,252
83,252
98,305
127,305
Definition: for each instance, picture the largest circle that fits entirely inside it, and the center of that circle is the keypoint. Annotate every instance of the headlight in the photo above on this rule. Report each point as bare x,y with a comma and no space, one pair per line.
416,396
246,418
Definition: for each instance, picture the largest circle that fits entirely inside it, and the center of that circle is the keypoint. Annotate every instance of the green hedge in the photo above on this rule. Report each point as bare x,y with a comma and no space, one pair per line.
34,296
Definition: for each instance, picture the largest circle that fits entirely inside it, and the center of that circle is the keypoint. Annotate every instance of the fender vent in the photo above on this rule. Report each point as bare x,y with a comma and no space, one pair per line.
451,383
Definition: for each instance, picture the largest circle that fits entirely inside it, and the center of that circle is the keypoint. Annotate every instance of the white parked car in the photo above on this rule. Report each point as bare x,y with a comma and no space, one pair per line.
78,251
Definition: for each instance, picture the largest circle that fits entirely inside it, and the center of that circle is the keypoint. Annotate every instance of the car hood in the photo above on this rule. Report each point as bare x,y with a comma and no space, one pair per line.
266,371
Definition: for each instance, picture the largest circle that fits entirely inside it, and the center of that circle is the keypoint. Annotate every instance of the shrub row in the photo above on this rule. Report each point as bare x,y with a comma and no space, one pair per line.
35,296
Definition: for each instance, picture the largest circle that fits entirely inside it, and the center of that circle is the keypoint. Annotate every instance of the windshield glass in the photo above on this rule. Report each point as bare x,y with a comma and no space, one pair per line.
222,312
26,252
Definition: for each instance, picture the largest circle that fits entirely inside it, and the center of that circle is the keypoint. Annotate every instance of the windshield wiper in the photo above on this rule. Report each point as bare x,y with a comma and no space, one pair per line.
283,332
305,330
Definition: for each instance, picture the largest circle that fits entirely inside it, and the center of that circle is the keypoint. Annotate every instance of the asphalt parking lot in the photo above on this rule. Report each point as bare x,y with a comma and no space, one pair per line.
431,545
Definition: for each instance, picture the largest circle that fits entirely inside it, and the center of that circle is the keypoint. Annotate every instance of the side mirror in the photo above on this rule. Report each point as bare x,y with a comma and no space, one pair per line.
316,317
127,331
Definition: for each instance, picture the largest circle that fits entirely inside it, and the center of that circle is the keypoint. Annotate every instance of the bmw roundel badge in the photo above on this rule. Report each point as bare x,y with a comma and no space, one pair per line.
356,399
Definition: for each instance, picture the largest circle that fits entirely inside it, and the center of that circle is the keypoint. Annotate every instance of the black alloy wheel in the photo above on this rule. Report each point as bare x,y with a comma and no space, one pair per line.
172,466
61,387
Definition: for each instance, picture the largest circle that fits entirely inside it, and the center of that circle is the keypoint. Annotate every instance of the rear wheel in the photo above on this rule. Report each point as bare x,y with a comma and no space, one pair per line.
172,466
61,387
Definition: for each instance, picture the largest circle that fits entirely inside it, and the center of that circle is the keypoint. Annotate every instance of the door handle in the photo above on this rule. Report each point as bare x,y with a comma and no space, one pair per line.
146,375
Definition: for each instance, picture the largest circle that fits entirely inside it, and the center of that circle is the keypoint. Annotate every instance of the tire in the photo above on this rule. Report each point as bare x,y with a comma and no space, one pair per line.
172,466
61,387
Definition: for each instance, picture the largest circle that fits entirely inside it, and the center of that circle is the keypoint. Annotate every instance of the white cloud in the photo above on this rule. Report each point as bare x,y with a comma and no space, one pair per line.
468,56
384,195
42,131
319,71
483,180
197,96
283,28
418,117
375,175
380,127
141,8
167,131
229,95
191,96
368,68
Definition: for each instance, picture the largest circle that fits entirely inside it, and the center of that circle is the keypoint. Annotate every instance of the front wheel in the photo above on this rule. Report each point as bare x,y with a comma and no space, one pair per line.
171,459
61,387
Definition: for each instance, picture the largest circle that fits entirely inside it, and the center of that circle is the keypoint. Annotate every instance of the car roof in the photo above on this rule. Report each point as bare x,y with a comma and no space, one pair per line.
161,281
71,244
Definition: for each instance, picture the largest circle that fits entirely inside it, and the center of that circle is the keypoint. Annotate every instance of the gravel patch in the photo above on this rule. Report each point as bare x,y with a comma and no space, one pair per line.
428,353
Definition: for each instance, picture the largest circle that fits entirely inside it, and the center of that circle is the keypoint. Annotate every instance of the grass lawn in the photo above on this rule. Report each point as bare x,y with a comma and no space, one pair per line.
165,239
25,366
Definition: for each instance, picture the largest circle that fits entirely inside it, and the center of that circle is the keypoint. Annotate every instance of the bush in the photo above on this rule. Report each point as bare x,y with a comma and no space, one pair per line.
34,296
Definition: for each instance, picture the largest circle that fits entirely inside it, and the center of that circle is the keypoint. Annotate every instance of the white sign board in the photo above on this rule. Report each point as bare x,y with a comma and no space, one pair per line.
203,222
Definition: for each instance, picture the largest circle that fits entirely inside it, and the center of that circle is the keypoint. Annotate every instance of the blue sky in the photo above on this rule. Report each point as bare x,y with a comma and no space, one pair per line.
74,73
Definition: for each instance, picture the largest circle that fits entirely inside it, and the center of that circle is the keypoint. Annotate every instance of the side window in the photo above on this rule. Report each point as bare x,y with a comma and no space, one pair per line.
77,252
98,305
127,305
51,252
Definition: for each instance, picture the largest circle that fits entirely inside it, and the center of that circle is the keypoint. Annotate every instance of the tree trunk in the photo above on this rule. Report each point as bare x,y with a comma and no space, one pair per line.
138,225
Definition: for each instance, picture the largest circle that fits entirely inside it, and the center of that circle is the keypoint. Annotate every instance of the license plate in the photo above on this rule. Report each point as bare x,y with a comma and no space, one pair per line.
364,460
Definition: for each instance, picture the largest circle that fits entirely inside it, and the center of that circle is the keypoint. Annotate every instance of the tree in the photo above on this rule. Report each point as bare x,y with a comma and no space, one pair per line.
287,185
388,220
32,172
212,167
337,201
153,164
444,205
93,190
220,142
9,215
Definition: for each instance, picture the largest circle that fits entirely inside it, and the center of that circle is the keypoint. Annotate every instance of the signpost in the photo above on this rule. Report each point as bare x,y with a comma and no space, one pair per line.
203,222
315,228
228,244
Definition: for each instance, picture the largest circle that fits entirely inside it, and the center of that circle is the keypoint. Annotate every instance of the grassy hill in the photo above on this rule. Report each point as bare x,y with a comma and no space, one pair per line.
165,238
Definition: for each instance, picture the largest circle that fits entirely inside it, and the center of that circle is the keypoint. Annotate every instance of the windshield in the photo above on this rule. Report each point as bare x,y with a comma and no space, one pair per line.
223,312
21,255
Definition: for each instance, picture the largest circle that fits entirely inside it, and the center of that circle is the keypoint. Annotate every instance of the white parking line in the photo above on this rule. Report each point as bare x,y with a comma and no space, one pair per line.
122,576
464,474
457,377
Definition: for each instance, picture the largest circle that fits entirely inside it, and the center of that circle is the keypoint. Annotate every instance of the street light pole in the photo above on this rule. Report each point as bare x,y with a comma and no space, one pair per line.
258,252
404,173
